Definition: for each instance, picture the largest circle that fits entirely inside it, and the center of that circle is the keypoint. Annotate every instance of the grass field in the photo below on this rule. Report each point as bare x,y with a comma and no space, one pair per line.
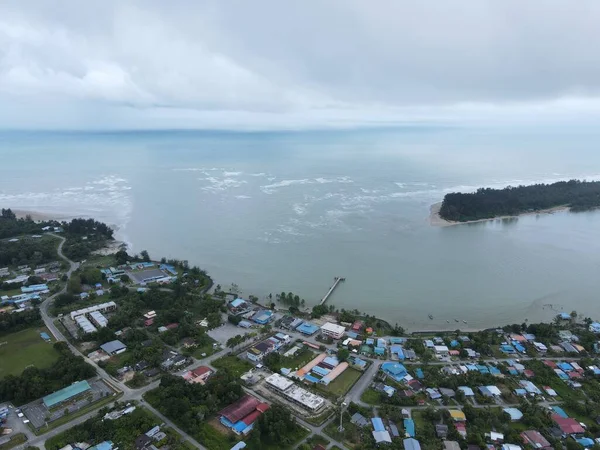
15,440
23,349
234,364
342,383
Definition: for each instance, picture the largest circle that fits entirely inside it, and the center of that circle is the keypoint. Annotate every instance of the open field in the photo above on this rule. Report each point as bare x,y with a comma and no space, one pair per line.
234,364
24,348
342,383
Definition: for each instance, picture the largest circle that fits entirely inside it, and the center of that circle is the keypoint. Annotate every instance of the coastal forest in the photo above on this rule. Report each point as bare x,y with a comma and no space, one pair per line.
487,203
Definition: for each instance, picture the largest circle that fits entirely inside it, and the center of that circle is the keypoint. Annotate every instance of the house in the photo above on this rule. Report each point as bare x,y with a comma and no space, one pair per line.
357,326
595,327
409,427
142,442
198,375
395,370
467,391
359,420
411,444
307,328
259,351
492,436
441,431
568,426
530,387
241,415
441,350
188,342
113,347
393,429
457,415
535,439
490,391
541,348
514,413
263,317
332,330
379,432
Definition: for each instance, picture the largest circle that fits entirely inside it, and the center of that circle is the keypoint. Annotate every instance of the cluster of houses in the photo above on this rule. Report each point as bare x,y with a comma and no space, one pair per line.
258,351
151,439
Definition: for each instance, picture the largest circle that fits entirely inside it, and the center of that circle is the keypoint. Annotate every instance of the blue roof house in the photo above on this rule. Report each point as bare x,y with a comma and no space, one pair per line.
395,370
409,427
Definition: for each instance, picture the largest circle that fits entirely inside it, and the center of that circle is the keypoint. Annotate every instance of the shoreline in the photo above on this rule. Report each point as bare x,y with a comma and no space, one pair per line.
39,216
435,220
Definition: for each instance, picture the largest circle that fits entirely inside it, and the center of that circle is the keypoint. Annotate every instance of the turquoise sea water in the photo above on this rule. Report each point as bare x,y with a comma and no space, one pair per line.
279,212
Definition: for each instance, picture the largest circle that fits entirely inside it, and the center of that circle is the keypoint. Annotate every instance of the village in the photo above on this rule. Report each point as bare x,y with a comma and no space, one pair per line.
148,331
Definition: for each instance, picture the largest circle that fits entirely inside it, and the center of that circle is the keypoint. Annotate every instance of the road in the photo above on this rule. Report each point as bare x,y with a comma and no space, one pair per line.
128,393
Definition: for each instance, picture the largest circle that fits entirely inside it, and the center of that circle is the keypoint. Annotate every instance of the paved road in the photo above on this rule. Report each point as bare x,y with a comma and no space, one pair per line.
128,393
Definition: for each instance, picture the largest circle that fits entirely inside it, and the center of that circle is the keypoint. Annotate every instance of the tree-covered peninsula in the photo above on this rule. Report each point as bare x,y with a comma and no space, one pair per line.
487,203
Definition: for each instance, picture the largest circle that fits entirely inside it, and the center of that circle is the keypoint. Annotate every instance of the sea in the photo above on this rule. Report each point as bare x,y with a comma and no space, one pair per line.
289,211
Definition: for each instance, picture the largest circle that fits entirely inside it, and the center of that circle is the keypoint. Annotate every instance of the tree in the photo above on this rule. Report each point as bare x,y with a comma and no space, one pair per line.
122,257
343,354
145,256
125,278
574,315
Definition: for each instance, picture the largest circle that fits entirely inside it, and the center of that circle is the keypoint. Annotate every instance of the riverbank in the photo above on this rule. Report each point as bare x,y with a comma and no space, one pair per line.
436,220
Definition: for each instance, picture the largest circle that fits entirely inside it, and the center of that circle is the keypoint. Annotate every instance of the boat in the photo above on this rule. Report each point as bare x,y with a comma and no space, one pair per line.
464,321
447,321
456,320
430,317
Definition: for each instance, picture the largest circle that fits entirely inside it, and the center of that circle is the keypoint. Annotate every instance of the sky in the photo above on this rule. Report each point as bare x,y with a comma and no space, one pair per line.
272,64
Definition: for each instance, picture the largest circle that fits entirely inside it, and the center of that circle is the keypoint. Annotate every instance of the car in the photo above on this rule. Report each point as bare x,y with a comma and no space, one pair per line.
20,414
259,366
26,421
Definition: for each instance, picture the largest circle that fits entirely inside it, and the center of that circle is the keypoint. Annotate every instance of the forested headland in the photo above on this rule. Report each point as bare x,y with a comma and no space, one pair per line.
487,203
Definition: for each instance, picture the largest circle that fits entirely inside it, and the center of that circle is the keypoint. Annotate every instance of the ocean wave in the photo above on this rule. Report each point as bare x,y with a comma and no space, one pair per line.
273,187
231,174
242,197
221,184
300,208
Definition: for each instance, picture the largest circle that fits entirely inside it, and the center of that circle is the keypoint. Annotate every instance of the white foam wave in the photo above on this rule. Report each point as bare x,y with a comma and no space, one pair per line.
271,188
221,184
242,197
231,174
300,208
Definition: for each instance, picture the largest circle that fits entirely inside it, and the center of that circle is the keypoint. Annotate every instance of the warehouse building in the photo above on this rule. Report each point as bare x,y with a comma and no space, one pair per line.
66,394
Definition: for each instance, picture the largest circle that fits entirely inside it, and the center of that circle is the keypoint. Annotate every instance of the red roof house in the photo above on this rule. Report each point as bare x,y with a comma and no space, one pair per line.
567,425
148,322
357,326
550,364
171,326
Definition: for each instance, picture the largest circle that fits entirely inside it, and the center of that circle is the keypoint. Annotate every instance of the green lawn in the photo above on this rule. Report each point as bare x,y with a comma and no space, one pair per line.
234,364
342,383
24,348
371,396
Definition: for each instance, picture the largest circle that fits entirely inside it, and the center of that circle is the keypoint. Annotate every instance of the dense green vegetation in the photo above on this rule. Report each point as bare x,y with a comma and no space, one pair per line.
275,429
34,382
122,432
28,251
11,226
10,323
190,405
84,236
487,203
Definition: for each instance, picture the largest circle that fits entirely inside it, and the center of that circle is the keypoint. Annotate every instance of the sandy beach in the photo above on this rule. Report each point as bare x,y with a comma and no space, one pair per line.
38,216
436,221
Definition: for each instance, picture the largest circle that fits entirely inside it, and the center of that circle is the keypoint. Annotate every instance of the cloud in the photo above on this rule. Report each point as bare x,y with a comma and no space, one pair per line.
272,64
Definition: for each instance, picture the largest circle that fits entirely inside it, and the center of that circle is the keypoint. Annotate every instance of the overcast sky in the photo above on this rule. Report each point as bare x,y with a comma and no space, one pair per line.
294,64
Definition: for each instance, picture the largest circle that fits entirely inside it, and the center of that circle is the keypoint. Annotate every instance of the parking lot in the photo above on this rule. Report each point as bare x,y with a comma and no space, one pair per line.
38,414
226,331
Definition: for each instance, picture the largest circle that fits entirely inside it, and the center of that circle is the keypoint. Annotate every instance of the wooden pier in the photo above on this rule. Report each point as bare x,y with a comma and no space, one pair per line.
336,281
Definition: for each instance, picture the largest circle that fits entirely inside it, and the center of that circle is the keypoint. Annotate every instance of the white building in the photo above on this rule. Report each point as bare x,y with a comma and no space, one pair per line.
540,347
98,319
333,330
295,394
441,350
103,307
85,324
